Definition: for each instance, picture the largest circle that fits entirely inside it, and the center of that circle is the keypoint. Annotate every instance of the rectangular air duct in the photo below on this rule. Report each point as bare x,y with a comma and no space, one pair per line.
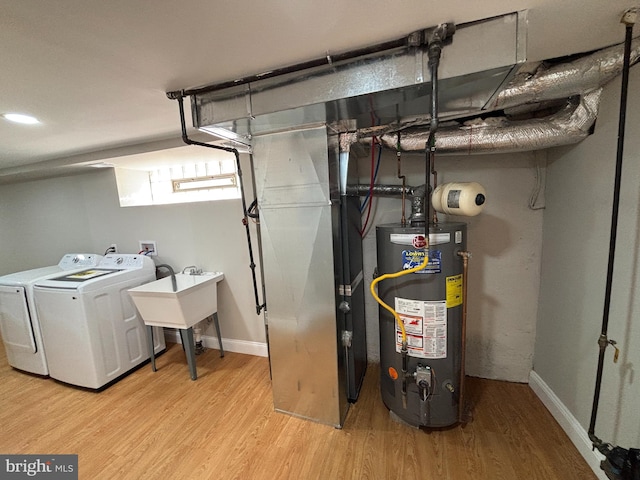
395,84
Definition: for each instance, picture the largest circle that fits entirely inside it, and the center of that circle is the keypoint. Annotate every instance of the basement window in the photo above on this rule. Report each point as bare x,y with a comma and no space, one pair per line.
173,176
204,183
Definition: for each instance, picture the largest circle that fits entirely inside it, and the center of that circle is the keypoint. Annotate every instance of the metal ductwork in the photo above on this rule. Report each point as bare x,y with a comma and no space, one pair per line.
386,91
387,85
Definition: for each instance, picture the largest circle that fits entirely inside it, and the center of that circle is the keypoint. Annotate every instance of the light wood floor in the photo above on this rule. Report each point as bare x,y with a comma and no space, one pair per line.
164,426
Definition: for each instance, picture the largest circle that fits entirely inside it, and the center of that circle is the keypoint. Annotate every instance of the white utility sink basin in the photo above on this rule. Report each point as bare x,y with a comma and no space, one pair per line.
195,299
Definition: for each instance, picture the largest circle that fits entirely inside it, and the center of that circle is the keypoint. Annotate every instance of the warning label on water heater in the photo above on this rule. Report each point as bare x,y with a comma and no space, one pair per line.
454,291
426,326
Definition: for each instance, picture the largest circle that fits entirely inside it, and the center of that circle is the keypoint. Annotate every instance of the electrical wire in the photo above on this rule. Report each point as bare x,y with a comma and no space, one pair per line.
375,177
252,211
371,182
533,199
374,121
434,381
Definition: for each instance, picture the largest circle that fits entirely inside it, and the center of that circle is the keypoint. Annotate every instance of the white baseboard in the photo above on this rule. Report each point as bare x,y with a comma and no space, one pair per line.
577,434
257,349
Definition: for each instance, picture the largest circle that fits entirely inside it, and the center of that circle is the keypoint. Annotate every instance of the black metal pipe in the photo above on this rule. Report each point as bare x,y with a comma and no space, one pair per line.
245,220
435,39
404,351
431,144
603,342
362,190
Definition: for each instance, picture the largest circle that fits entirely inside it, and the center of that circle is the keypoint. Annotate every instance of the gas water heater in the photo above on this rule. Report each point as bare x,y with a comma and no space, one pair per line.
426,392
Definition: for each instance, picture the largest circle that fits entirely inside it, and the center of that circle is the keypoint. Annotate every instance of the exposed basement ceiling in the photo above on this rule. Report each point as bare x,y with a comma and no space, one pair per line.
96,73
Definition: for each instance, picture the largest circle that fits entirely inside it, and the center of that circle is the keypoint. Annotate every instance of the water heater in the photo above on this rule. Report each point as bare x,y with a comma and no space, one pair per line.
430,304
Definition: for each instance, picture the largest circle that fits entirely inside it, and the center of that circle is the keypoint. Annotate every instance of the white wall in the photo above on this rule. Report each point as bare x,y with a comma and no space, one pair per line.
506,242
42,220
576,241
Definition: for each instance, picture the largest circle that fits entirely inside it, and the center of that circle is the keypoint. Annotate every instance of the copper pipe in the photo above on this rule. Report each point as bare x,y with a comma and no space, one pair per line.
465,267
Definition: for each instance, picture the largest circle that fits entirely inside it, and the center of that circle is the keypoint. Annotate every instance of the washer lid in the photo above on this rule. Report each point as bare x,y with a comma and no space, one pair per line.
85,275
75,279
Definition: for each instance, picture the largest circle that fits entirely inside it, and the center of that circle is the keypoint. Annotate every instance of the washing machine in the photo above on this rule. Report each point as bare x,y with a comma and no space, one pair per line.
91,330
19,324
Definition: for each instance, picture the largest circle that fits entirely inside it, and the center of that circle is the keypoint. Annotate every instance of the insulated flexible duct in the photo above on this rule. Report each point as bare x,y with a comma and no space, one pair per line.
584,76
563,80
500,135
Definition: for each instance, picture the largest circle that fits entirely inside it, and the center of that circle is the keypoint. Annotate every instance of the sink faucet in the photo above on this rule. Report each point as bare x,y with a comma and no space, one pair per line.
193,270
173,275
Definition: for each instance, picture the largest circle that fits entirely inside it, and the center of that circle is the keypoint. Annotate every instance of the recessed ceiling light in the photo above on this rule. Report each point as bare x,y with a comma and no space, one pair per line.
101,165
21,118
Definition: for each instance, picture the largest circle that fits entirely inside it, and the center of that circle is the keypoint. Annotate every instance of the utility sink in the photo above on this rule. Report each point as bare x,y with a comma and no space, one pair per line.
195,299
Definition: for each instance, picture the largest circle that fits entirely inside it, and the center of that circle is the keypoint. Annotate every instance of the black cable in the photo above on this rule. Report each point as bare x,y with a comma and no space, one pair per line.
253,209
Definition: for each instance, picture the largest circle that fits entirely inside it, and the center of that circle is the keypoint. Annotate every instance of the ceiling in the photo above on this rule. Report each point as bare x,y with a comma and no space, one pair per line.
95,73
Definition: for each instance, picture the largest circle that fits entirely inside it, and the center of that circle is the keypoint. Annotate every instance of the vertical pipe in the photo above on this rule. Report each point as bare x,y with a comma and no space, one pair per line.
603,342
245,220
463,332
403,219
344,309
434,174
261,263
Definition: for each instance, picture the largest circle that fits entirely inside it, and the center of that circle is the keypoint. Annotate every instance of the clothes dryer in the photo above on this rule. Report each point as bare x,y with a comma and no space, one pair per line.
92,332
19,324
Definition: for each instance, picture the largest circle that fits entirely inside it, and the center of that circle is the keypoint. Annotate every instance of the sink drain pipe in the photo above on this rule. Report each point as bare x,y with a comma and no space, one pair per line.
245,219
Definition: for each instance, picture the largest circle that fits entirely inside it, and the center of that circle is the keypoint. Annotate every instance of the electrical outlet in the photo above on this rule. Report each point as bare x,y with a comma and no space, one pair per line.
148,247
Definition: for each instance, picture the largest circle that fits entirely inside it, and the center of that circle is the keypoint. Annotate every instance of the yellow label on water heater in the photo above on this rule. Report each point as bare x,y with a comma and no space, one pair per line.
454,291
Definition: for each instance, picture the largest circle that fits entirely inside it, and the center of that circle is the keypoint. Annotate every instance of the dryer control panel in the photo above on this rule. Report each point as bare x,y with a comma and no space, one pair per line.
79,260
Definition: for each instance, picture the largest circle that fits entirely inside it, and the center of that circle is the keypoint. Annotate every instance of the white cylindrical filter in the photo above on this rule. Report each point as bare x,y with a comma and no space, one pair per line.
197,332
459,198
